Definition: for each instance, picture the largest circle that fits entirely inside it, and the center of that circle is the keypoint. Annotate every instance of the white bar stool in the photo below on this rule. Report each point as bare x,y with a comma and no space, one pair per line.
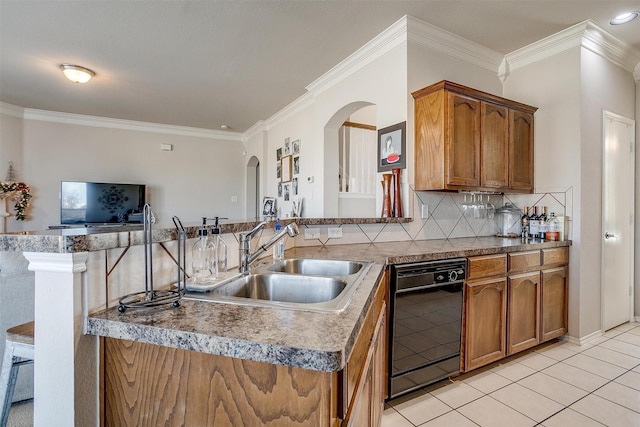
18,351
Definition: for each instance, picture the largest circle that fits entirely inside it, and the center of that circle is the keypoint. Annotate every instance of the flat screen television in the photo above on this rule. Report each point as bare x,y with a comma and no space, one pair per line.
101,203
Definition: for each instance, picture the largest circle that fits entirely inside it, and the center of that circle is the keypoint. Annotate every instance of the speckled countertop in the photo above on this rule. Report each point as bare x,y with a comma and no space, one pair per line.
70,239
318,341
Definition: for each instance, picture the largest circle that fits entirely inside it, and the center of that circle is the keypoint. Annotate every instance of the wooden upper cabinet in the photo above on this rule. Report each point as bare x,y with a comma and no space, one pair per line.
466,139
495,145
463,141
521,150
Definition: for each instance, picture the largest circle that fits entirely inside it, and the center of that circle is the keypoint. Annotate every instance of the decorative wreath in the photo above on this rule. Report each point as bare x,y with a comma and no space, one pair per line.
20,194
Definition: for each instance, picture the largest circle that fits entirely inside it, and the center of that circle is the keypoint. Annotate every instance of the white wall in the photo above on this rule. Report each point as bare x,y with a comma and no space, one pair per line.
618,96
198,178
382,83
568,154
553,85
10,140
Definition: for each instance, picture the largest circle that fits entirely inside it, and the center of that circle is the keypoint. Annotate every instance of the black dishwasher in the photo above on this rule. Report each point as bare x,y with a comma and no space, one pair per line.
426,323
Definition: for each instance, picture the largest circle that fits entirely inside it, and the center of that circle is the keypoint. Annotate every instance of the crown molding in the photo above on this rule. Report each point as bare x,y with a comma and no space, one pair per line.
11,110
585,34
259,126
432,37
106,122
384,42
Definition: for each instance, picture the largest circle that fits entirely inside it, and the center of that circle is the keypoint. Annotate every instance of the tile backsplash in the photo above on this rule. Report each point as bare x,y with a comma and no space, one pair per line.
446,219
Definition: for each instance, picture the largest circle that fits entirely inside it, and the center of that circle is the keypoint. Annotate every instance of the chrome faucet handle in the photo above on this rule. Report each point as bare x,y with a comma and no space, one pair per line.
253,232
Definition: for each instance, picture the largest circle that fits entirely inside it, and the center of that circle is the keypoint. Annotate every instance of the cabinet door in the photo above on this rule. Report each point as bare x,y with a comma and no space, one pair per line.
367,404
463,141
523,316
521,151
429,150
554,294
495,146
485,317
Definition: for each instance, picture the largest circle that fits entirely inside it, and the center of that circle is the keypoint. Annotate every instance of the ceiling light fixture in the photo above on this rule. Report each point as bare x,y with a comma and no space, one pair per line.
624,18
225,127
76,73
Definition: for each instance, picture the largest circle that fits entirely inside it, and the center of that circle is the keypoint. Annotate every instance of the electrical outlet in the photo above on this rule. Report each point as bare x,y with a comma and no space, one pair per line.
335,233
311,233
424,212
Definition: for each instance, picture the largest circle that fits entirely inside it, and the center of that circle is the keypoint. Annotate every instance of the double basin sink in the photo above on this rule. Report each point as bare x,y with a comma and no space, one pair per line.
301,284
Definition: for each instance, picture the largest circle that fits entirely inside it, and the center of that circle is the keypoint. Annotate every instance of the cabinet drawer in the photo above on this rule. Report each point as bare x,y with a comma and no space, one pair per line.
488,265
519,261
555,256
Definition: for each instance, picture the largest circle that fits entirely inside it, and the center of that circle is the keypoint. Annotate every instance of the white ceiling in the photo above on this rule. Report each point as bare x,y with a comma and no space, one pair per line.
207,63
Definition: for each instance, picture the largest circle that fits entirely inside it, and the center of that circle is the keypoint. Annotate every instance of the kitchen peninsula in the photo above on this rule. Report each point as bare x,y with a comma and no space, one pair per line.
69,273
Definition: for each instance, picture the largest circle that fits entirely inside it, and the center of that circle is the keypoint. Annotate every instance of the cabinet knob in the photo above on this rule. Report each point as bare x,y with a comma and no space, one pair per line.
608,235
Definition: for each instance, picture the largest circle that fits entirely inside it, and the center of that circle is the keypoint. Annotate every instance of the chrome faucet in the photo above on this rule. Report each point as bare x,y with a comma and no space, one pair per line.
246,257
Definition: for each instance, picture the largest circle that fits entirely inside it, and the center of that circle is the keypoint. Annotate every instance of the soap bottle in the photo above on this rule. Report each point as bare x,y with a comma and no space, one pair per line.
202,256
220,247
278,248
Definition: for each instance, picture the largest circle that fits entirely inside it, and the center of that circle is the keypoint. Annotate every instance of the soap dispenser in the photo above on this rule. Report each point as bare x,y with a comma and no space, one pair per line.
202,256
220,246
278,248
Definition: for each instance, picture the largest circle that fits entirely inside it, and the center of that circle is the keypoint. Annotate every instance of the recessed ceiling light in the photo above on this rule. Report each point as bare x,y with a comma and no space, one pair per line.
624,18
76,73
225,127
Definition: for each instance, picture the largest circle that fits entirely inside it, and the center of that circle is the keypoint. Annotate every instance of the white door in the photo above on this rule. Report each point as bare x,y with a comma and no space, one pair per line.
617,220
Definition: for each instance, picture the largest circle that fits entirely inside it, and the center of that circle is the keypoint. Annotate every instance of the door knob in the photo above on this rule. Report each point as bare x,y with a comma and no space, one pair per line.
608,235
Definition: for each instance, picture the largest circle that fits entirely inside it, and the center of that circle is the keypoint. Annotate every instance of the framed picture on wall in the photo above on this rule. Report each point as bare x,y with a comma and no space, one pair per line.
287,146
295,146
392,147
286,168
296,165
278,154
269,206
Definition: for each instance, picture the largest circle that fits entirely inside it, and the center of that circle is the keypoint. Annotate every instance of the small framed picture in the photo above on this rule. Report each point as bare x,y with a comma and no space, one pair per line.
269,206
287,192
287,146
278,169
278,154
294,186
392,147
286,168
296,147
296,165
279,189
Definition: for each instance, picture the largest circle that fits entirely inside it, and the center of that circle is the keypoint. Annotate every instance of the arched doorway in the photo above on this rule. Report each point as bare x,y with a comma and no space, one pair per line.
253,188
336,204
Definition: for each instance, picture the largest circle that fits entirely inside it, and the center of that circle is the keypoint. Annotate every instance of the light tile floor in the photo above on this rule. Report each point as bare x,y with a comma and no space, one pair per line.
558,384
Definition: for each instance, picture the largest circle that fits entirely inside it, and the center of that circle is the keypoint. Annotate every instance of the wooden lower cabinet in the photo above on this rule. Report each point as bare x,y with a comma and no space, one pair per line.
555,293
523,312
151,385
368,402
523,303
485,322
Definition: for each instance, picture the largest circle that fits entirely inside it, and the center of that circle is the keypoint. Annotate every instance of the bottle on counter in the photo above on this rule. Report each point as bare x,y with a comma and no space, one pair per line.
220,248
278,248
524,223
202,256
533,223
542,224
553,228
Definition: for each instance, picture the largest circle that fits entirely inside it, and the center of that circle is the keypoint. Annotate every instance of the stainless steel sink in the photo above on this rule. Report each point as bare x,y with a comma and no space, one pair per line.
283,287
298,284
318,267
